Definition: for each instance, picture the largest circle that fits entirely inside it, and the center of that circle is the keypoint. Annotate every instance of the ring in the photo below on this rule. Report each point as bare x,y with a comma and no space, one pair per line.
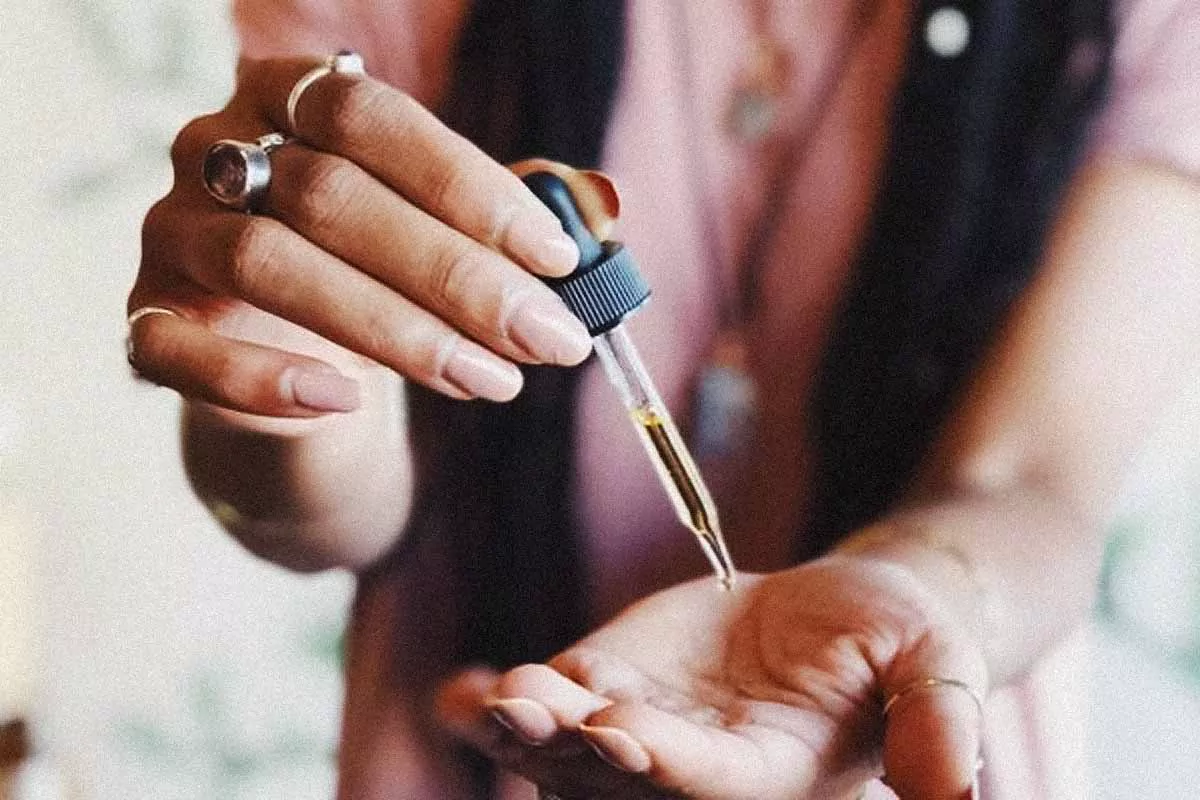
139,313
344,61
237,174
146,311
926,684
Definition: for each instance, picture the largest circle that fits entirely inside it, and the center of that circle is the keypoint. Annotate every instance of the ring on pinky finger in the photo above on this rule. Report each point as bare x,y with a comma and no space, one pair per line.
134,317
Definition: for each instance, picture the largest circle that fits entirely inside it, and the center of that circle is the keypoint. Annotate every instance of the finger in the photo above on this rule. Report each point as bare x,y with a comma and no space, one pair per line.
393,137
262,261
238,121
933,728
697,759
461,706
537,702
932,744
594,192
189,358
343,209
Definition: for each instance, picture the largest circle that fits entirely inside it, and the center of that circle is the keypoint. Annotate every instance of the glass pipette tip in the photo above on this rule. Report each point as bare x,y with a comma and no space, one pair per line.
673,464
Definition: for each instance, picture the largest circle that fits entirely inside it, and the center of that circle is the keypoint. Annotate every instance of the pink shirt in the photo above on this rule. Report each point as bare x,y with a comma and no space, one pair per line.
691,196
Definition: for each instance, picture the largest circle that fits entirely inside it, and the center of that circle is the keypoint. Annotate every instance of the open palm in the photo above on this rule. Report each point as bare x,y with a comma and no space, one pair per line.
771,691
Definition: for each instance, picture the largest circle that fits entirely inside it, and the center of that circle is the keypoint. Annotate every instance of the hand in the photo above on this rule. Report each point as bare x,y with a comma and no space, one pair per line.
772,691
385,239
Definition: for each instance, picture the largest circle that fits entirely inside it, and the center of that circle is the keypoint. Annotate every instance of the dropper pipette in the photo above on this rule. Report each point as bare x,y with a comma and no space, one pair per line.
602,291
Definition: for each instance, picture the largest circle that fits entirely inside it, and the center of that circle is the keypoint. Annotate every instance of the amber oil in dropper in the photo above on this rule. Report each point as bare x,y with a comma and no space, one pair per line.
691,500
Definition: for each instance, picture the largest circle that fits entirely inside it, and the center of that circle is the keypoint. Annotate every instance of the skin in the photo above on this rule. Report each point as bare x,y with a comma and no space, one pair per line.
407,253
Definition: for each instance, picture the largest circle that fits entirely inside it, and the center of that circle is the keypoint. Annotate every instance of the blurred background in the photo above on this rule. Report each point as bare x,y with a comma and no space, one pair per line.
149,655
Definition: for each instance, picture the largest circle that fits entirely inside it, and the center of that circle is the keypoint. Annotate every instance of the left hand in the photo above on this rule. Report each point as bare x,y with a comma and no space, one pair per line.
772,691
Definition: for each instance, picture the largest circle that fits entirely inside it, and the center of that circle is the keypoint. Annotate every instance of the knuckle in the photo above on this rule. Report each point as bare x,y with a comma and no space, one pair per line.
435,356
353,109
451,190
457,269
513,297
191,142
502,222
444,188
326,187
155,225
254,255
426,356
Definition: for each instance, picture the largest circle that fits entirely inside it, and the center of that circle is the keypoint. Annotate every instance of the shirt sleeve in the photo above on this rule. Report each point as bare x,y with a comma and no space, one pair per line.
1154,109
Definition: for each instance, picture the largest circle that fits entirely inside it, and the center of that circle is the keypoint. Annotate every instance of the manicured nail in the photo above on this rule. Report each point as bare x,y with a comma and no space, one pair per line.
529,720
477,373
549,333
617,748
321,388
540,242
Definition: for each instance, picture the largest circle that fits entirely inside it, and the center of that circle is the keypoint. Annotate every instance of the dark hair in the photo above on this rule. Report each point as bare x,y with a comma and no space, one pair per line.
981,148
538,77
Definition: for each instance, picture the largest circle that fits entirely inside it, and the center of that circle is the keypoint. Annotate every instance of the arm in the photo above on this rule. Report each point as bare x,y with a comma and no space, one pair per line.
1023,480
388,246
776,691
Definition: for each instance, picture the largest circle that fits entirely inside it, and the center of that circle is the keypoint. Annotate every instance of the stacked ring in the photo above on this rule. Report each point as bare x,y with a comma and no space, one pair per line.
238,174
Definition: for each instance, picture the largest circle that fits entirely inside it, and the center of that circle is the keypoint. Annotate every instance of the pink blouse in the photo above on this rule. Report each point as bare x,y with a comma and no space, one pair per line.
692,194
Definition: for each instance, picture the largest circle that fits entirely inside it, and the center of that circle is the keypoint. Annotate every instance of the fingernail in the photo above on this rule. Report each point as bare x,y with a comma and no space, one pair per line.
321,389
541,244
477,373
529,720
617,748
548,332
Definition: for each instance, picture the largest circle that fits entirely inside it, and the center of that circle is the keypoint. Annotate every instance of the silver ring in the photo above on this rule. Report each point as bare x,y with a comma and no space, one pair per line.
238,174
146,311
345,62
926,684
140,313
929,684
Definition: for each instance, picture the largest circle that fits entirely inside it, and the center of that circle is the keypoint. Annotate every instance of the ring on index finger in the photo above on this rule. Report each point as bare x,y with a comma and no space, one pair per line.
346,62
238,174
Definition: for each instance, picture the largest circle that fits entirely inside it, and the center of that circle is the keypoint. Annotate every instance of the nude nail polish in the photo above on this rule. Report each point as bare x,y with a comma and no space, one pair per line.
321,389
477,373
617,748
529,720
540,243
548,332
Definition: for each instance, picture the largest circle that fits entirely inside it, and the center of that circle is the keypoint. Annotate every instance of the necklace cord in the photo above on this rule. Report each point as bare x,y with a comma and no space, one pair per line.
735,307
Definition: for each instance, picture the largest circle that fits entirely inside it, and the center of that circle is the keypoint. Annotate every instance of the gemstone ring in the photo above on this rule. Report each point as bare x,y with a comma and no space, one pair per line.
237,174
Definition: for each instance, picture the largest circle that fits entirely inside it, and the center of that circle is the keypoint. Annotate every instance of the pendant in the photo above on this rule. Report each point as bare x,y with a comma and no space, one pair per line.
725,404
753,110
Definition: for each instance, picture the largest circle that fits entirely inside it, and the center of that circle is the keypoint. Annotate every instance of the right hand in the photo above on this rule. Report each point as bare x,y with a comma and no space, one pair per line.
386,240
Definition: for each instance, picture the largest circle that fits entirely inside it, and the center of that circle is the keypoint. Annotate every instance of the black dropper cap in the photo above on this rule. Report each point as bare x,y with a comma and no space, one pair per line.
606,286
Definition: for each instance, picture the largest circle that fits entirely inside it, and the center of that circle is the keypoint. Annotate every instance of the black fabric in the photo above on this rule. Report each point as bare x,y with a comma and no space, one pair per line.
981,147
538,77
534,78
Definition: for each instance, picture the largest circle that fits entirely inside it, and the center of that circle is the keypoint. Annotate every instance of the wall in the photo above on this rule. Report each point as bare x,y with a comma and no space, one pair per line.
173,665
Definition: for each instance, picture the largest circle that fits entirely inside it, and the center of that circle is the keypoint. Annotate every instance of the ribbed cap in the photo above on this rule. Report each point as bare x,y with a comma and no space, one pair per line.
606,286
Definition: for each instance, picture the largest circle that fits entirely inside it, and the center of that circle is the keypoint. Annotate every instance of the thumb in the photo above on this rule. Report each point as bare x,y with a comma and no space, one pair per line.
934,721
460,706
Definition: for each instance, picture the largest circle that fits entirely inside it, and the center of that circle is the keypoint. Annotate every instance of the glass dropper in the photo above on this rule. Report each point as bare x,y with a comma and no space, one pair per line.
603,291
